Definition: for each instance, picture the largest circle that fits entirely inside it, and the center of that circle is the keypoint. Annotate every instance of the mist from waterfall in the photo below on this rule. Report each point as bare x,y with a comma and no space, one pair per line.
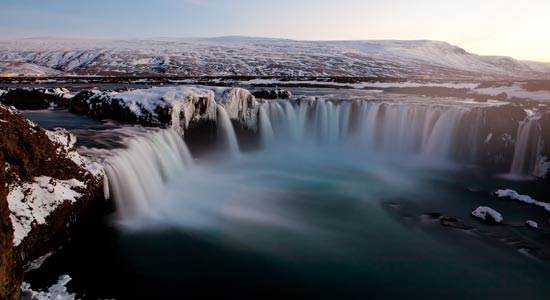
155,178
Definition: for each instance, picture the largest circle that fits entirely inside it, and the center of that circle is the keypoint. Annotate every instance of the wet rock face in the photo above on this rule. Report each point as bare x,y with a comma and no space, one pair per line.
545,127
33,99
499,134
272,94
27,152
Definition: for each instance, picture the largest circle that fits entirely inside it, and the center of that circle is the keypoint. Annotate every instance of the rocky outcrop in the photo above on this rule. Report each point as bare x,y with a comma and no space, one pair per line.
272,94
45,188
498,135
33,99
486,134
544,161
192,111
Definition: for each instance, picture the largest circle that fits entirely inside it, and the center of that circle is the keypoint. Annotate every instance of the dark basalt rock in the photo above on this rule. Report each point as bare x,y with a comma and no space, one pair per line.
498,135
33,99
29,153
545,131
200,137
272,94
448,221
96,106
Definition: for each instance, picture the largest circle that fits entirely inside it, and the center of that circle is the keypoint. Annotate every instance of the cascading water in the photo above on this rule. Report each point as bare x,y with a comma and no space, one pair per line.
528,144
138,173
430,131
228,138
320,194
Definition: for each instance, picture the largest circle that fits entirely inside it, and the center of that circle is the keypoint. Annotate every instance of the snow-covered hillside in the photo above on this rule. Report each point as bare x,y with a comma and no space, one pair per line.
256,57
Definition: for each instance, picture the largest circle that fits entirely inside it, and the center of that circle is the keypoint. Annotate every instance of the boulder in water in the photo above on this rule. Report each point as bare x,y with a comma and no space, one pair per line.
488,215
532,224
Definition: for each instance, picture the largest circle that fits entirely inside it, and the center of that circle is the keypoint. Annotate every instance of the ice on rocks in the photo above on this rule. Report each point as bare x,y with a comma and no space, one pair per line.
532,224
187,103
486,213
57,291
508,193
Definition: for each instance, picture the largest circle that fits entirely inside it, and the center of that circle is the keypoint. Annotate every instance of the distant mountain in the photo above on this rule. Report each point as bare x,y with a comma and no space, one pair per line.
236,55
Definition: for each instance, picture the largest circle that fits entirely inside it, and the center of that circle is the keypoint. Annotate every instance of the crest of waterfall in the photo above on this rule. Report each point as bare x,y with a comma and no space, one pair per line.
226,132
527,148
429,130
140,171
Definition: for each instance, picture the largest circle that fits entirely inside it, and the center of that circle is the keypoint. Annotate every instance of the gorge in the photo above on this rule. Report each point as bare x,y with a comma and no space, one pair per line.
217,170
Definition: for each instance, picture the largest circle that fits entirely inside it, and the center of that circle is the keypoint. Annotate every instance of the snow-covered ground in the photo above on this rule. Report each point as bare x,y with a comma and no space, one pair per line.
515,90
57,291
32,202
257,57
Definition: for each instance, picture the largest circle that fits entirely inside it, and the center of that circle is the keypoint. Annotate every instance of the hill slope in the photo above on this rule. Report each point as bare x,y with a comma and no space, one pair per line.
256,57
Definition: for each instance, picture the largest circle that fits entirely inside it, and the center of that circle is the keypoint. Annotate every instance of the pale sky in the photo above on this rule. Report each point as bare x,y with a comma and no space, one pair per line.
520,29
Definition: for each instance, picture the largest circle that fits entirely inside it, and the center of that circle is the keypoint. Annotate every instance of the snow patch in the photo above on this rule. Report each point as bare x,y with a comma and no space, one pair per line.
484,213
57,291
67,141
532,224
59,92
187,103
508,193
31,203
515,90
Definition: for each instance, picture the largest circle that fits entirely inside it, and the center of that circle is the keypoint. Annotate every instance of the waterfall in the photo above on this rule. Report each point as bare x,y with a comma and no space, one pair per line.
266,130
138,174
427,130
226,132
526,151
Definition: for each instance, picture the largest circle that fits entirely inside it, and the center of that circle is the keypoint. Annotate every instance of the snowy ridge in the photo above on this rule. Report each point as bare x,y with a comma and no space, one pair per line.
256,57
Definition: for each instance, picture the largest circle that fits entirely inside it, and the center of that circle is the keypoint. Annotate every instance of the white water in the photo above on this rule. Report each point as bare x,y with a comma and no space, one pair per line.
137,174
226,132
140,176
429,131
527,148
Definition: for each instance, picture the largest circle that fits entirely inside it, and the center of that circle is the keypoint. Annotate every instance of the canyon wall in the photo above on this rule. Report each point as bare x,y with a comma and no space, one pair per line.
45,188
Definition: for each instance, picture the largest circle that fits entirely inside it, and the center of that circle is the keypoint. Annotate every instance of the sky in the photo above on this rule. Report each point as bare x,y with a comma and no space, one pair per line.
520,29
